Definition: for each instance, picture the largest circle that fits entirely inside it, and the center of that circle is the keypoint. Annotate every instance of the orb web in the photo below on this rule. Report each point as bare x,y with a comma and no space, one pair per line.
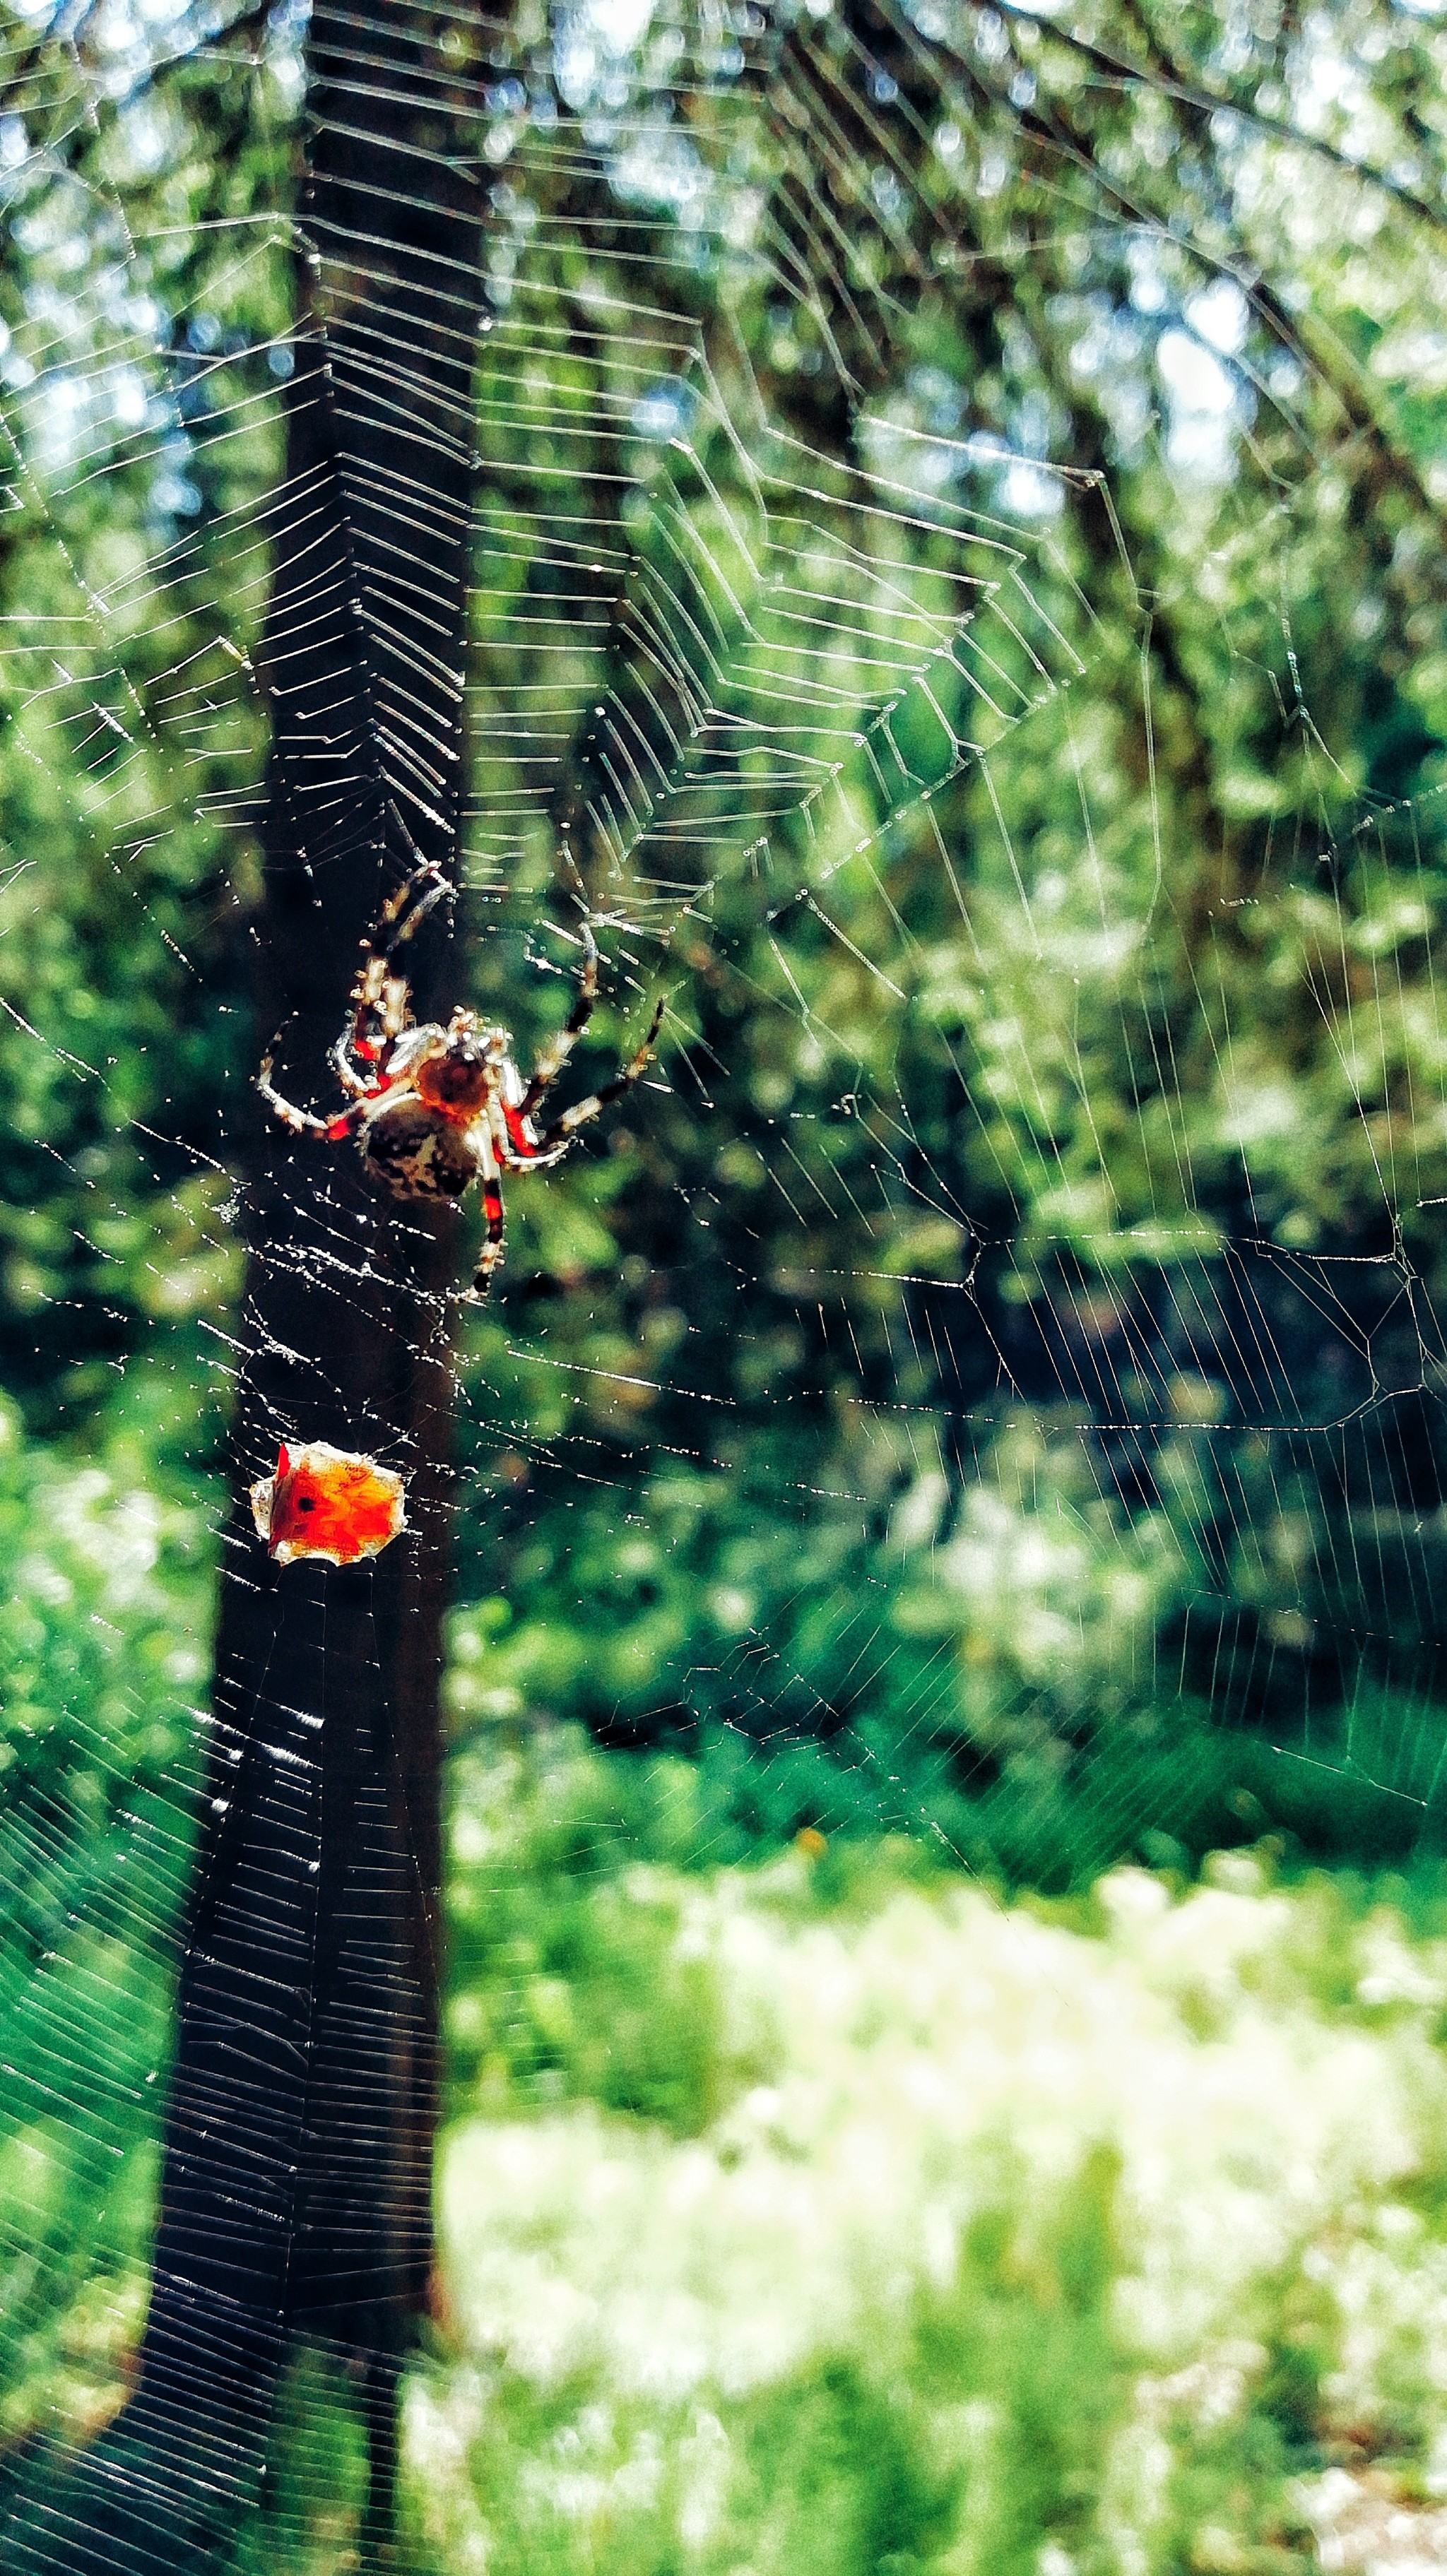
948,600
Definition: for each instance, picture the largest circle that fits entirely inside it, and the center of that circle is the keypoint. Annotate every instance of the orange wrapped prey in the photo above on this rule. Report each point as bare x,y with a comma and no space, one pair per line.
327,1502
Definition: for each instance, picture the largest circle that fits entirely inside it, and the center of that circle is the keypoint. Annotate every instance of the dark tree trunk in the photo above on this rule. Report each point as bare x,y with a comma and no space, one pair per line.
297,2177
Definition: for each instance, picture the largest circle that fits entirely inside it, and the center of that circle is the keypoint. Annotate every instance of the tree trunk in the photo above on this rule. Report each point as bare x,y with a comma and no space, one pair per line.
296,2187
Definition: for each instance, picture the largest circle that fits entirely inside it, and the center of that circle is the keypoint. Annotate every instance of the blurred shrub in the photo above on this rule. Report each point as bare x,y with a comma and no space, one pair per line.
102,1647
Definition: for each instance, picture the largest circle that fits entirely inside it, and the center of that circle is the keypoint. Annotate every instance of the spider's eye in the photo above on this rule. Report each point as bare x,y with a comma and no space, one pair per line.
306,1502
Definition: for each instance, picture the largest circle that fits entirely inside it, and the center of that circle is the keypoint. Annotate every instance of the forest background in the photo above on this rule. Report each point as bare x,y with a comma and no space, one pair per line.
948,1949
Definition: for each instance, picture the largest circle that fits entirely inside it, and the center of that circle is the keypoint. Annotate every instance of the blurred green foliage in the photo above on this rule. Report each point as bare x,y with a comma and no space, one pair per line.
999,1389
102,1653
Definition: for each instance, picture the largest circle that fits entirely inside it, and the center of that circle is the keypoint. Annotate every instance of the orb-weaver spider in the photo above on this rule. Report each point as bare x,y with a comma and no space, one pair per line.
434,1109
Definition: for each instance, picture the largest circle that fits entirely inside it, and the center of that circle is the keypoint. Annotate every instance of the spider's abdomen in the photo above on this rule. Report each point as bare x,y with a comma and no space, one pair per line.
418,1152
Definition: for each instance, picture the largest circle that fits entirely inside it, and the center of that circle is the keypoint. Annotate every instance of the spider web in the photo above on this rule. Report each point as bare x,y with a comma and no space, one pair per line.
985,1385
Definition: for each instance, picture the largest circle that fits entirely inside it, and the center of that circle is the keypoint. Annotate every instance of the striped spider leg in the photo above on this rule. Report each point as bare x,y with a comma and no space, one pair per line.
517,1143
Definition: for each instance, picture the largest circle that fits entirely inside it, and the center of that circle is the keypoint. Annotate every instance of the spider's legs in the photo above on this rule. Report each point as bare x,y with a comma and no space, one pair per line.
492,1249
486,1147
343,1067
555,1055
407,909
303,1122
553,1140
381,1003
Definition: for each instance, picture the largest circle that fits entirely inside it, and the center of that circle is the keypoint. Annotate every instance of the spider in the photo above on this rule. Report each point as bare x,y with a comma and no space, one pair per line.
434,1109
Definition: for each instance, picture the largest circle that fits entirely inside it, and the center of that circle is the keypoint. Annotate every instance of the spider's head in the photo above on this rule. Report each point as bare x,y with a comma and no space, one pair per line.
458,1077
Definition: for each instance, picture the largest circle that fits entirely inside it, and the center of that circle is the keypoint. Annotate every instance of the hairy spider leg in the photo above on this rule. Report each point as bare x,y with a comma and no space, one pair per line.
514,1145
381,1012
492,1249
552,1141
556,1053
395,916
508,1143
493,1241
361,1086
305,1122
381,1002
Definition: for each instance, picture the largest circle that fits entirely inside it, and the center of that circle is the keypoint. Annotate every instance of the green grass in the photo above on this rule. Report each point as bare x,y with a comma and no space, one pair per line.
831,2215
